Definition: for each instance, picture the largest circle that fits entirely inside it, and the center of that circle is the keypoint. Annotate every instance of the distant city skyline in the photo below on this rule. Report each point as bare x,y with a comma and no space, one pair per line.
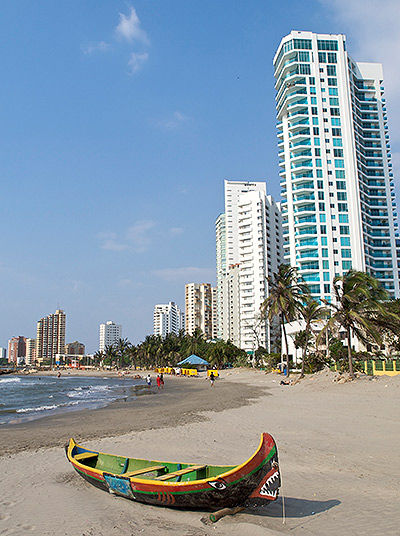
117,139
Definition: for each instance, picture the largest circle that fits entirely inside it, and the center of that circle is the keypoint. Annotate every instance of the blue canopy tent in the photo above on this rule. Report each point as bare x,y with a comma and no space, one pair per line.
193,361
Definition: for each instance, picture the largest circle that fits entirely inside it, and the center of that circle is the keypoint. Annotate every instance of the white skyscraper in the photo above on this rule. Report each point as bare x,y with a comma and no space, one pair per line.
168,318
249,249
110,333
336,171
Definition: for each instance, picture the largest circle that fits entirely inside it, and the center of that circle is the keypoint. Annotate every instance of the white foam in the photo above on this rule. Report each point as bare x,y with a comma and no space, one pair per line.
10,380
39,408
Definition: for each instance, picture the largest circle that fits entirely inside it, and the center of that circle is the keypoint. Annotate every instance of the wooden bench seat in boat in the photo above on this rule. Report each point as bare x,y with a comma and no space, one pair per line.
143,470
181,472
85,456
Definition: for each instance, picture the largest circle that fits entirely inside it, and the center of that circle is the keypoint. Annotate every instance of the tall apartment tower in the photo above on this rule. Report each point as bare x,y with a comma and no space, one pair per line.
336,172
30,357
16,349
198,308
168,318
50,336
110,333
249,249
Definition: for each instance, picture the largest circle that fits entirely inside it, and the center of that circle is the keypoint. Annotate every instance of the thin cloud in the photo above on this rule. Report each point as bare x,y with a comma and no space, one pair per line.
174,121
186,274
129,28
91,48
136,61
139,234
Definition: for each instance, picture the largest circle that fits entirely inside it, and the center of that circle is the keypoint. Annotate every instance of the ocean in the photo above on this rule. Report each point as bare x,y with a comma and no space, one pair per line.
24,398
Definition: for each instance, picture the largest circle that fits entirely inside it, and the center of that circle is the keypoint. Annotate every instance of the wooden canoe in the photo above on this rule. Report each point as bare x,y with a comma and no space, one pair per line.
183,485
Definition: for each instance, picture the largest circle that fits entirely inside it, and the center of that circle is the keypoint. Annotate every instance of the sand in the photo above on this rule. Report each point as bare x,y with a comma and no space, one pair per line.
338,446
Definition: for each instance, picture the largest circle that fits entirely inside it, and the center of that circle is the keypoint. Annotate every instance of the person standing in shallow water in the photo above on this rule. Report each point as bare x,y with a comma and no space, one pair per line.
148,380
212,378
158,382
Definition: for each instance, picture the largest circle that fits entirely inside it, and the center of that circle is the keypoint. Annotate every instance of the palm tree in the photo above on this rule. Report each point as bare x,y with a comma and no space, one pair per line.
110,354
358,309
311,312
286,295
122,347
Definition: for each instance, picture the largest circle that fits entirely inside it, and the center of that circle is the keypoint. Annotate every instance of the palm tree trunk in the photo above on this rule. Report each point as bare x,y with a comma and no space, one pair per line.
303,359
286,344
351,372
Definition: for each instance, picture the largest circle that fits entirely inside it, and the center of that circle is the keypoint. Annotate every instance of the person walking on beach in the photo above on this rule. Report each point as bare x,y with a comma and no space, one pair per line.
158,382
212,378
148,380
162,380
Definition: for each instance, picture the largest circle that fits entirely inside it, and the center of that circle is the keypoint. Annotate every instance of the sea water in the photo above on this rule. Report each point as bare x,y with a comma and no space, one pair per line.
24,398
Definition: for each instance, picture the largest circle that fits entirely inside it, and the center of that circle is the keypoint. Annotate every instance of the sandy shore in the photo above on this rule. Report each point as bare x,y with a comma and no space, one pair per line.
338,447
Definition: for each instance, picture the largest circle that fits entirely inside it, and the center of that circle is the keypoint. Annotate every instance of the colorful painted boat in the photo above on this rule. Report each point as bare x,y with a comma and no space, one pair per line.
183,485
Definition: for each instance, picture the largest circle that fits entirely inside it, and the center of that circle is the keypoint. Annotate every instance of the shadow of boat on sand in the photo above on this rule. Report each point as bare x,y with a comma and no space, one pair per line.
294,508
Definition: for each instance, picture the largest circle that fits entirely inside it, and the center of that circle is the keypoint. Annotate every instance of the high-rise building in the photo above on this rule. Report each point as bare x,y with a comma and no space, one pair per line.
75,348
168,318
50,336
198,308
16,349
30,358
110,333
336,173
214,313
249,250
3,353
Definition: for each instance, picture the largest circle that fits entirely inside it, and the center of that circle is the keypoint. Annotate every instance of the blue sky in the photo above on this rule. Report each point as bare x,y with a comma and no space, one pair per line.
119,122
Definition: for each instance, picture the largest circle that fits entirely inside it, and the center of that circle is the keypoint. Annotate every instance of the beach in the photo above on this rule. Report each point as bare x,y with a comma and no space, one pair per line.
337,447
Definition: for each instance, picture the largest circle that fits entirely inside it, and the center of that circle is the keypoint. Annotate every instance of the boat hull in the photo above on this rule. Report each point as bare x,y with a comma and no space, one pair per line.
255,482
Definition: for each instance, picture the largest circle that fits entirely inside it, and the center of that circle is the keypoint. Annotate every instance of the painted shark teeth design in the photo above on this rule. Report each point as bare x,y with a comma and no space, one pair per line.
270,486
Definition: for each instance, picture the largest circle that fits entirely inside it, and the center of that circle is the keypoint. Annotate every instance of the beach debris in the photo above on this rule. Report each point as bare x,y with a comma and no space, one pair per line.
216,516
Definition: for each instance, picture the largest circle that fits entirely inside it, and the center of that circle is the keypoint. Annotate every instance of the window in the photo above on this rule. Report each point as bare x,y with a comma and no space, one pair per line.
324,44
317,152
312,81
315,120
340,185
305,44
335,121
335,111
325,265
304,68
342,196
332,81
320,185
322,57
345,241
305,56
344,229
324,241
332,58
313,100
346,253
333,101
318,162
327,288
346,265
323,229
342,207
316,131
314,110
340,174
343,218
337,142
324,252
322,218
338,152
319,173
336,132
312,90
331,70
321,206
333,91
339,163
317,141
321,196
